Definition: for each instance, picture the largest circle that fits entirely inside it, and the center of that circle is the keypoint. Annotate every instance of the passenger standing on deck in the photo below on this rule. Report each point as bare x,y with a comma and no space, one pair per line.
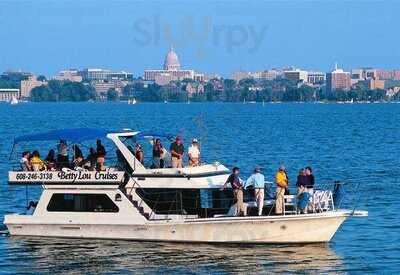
139,154
177,152
310,180
78,156
100,154
257,180
36,162
158,152
91,160
194,153
301,183
62,155
50,160
237,187
282,184
24,162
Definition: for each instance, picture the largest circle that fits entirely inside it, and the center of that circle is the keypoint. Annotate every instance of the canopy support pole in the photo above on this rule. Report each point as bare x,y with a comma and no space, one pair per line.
12,152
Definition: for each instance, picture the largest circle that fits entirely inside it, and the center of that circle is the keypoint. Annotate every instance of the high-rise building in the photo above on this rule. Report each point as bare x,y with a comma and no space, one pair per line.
357,75
102,86
15,76
90,74
316,78
237,76
171,72
338,80
296,75
364,74
396,75
29,84
70,75
388,74
265,75
260,75
384,74
374,84
370,73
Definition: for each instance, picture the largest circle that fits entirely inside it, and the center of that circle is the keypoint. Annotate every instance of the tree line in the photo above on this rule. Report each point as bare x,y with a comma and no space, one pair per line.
280,90
57,90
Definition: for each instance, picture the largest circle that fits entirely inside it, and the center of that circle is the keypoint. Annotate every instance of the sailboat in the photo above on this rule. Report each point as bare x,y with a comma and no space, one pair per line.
14,101
132,101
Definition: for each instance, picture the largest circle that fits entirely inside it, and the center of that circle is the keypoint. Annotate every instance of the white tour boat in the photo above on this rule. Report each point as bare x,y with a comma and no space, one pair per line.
129,201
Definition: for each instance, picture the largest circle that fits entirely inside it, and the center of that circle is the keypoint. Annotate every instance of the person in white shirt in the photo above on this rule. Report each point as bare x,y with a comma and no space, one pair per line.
194,153
25,163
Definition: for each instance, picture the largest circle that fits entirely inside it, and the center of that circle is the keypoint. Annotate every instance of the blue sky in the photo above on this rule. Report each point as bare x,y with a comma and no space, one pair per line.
209,36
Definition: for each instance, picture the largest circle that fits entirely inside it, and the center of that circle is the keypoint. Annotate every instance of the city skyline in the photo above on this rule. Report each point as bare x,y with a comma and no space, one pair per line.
133,36
171,64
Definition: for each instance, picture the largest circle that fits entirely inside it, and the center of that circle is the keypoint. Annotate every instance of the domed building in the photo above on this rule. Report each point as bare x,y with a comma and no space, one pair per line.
171,72
171,62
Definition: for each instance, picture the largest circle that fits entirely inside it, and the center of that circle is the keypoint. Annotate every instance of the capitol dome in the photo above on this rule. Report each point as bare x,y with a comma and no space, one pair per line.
171,62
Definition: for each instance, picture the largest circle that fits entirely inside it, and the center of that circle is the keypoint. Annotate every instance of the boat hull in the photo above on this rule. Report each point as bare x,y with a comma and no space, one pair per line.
311,228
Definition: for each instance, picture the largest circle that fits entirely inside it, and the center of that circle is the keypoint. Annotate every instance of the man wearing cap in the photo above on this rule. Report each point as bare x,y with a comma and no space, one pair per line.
257,180
282,182
177,152
194,153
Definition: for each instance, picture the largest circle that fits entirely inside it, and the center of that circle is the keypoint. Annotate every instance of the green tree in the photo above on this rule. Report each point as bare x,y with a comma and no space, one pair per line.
63,91
229,84
41,78
112,94
42,93
5,84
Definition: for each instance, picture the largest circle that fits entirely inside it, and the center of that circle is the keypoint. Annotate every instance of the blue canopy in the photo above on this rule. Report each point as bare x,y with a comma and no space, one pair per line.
73,135
143,135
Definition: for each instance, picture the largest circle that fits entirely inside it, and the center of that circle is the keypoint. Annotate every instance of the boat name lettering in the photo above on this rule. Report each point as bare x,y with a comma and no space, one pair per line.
106,176
82,175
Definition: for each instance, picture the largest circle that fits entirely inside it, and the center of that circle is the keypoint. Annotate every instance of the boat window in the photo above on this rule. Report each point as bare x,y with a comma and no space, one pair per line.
81,203
118,197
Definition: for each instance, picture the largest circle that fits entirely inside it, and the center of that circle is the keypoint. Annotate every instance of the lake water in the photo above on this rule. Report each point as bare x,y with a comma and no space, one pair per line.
355,143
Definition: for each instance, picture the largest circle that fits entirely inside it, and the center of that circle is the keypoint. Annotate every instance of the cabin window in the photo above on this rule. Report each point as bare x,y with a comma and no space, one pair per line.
118,197
81,203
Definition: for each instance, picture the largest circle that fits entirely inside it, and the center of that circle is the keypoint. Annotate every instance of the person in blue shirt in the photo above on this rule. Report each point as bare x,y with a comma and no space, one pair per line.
257,180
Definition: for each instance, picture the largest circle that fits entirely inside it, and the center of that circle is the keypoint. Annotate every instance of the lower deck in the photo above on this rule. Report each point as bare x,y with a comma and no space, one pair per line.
319,227
200,203
188,215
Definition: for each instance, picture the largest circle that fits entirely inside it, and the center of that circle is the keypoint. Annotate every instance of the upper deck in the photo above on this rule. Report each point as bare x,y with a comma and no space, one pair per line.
130,173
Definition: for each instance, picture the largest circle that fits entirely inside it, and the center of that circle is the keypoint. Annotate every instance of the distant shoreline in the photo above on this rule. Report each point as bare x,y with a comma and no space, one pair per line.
218,102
